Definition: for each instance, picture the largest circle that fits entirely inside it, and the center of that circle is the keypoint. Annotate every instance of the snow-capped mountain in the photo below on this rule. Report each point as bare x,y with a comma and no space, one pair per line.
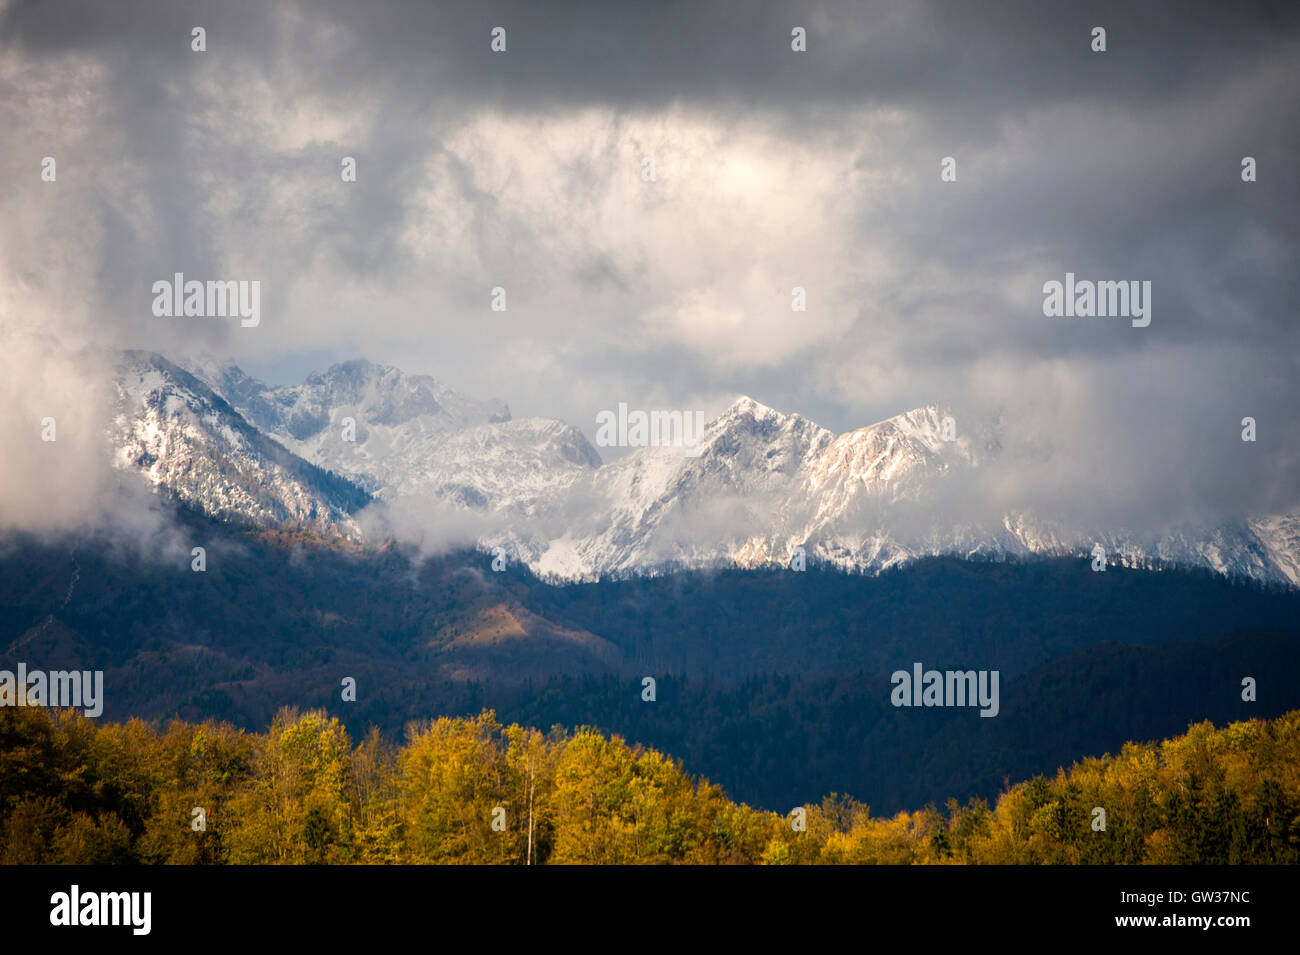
881,478
758,485
660,506
175,431
408,436
876,497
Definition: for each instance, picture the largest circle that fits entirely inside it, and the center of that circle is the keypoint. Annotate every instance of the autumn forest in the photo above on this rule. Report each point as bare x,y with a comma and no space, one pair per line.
470,790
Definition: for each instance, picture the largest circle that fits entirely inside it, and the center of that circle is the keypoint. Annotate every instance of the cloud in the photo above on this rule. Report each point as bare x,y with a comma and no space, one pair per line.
774,170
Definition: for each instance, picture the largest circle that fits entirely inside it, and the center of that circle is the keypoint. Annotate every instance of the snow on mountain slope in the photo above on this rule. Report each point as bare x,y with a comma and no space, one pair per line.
867,500
762,484
377,394
849,501
412,436
1279,538
521,462
171,428
660,506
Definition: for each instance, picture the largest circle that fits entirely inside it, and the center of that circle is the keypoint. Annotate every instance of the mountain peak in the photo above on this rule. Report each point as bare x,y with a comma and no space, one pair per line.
182,436
745,405
747,413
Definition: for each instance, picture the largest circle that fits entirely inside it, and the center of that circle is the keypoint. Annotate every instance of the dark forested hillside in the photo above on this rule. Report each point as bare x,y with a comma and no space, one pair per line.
776,740
774,684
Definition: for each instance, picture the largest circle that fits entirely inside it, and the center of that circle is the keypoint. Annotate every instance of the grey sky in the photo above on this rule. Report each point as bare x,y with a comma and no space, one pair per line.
775,169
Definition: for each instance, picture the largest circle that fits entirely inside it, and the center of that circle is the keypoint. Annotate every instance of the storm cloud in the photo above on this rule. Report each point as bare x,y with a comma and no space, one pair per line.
774,169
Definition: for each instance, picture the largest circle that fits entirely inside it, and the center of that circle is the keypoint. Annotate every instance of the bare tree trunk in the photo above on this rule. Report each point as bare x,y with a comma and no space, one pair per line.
532,786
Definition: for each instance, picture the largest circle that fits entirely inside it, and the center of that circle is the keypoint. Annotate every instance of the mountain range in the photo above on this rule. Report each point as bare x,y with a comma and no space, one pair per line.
363,450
